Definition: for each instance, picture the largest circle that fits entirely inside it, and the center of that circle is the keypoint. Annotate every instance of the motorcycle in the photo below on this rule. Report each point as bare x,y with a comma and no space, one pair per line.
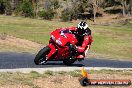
61,47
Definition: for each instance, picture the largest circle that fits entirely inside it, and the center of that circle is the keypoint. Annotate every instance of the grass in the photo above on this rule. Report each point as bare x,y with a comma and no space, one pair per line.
17,78
49,73
75,73
112,40
8,78
31,29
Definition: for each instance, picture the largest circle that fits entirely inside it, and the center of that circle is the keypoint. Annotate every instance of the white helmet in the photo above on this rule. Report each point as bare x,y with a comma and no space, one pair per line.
81,28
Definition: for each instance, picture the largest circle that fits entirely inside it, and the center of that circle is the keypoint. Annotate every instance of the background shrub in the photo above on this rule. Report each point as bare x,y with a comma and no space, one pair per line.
46,14
5,7
2,7
66,15
26,8
8,9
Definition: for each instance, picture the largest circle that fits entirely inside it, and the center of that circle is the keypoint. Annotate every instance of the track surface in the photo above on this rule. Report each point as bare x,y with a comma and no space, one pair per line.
11,60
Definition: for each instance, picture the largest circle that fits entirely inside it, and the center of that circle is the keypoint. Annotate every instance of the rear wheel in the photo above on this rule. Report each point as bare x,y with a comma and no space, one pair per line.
69,62
41,56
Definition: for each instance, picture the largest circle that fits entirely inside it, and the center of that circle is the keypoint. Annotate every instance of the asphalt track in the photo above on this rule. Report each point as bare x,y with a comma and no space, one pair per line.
12,60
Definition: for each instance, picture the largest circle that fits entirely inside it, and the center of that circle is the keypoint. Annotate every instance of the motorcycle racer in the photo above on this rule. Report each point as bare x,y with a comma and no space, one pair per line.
83,35
67,45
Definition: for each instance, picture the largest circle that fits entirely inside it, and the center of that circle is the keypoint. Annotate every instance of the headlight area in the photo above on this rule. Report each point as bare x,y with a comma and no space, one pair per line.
58,42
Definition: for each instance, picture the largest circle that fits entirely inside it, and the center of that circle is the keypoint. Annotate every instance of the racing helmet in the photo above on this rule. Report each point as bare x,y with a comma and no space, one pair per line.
81,28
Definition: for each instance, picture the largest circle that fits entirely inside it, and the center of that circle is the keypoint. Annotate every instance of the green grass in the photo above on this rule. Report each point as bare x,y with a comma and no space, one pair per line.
31,29
113,40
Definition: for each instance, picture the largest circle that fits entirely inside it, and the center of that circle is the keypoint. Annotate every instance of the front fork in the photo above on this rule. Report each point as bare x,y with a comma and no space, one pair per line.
52,51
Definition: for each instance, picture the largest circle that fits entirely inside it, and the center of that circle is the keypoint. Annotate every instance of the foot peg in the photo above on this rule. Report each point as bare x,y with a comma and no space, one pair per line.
80,59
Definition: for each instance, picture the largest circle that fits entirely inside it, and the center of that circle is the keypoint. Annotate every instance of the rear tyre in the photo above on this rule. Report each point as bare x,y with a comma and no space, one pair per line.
69,62
41,56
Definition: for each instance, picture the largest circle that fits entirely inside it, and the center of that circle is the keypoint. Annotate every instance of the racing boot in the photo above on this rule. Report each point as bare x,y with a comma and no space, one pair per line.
80,57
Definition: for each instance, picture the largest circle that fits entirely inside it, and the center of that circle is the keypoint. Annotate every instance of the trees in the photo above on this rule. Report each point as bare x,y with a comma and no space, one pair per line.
26,8
49,9
46,14
5,7
69,9
66,15
2,7
35,7
126,6
94,6
73,8
130,7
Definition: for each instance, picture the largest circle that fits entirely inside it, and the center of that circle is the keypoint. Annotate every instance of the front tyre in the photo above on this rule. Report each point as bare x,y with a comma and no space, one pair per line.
41,56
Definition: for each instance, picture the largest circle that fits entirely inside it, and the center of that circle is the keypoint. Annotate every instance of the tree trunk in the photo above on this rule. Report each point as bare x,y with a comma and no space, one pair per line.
123,10
14,3
34,7
130,5
124,7
131,11
94,14
94,4
37,9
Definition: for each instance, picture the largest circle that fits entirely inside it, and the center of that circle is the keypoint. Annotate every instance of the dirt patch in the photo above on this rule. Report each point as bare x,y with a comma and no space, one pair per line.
22,43
72,82
58,82
15,86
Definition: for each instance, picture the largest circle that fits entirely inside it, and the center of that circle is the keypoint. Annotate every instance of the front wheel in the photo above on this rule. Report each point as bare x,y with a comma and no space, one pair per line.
41,56
69,62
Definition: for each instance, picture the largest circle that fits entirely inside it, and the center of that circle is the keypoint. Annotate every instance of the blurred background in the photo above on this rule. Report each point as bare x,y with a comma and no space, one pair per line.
25,25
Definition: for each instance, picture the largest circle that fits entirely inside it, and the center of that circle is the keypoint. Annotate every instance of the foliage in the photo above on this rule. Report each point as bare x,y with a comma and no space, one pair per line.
26,8
69,8
2,7
46,14
5,7
55,4
8,9
72,12
110,3
49,8
66,15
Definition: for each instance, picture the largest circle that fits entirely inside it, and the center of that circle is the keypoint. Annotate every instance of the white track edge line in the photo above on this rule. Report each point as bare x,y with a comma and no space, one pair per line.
42,70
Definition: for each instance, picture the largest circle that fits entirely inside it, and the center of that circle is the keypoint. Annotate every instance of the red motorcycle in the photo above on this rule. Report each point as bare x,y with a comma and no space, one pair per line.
61,47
